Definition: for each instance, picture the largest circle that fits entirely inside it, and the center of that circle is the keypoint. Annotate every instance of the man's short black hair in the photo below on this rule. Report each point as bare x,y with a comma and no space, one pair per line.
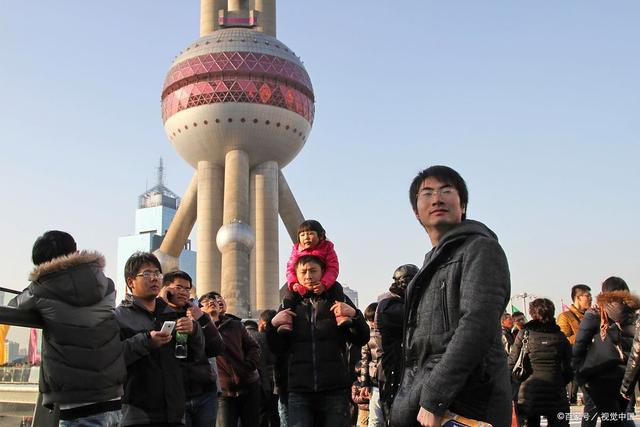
249,323
517,313
52,244
370,312
579,290
504,316
135,263
311,258
168,278
614,283
446,175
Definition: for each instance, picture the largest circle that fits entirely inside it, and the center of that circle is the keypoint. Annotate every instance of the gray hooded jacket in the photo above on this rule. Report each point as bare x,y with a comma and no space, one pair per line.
82,359
452,352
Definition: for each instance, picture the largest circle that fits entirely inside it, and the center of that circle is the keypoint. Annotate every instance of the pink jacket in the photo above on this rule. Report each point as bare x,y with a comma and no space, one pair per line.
325,251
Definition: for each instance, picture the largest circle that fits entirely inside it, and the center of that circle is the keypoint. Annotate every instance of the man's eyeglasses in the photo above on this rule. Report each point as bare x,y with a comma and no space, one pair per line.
150,275
443,192
181,289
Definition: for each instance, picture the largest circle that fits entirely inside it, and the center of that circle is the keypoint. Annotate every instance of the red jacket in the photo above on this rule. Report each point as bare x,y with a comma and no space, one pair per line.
325,251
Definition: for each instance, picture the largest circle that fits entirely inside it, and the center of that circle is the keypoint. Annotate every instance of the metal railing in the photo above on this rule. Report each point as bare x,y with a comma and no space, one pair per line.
42,417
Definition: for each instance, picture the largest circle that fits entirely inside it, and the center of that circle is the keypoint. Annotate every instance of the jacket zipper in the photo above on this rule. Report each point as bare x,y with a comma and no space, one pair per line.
313,342
445,308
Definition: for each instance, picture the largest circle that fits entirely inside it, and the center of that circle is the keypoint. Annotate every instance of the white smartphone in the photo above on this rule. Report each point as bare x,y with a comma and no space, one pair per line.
167,326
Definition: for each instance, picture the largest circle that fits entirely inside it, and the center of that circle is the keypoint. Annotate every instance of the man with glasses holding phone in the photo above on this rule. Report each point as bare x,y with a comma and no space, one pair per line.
200,382
453,361
154,391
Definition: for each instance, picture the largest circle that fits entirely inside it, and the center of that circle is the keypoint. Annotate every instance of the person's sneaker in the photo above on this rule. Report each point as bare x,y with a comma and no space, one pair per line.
344,321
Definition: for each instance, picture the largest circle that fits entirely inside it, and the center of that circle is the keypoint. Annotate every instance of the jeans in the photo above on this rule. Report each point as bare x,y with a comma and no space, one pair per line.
104,419
591,419
323,408
283,409
202,410
245,408
376,418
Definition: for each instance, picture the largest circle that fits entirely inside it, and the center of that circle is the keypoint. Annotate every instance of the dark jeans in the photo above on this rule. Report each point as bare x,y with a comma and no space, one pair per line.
201,411
591,417
283,409
245,408
269,416
323,408
605,394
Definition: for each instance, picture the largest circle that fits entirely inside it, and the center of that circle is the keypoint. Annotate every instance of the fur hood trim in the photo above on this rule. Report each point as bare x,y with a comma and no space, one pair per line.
621,297
67,261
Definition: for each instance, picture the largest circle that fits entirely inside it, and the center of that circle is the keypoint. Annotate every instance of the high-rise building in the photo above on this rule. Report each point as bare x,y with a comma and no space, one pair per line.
156,209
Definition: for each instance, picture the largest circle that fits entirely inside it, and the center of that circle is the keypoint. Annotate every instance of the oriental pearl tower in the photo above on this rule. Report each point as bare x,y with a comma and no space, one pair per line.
237,105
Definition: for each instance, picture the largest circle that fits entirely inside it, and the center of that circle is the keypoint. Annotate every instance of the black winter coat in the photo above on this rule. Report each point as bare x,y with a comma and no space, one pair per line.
154,391
453,357
82,355
543,392
316,347
389,316
238,366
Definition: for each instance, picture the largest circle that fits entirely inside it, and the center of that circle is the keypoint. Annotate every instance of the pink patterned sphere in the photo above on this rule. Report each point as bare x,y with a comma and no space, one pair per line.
237,89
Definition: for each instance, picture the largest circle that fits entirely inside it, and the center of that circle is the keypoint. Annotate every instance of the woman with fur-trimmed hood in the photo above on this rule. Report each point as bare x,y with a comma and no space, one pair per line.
83,369
602,346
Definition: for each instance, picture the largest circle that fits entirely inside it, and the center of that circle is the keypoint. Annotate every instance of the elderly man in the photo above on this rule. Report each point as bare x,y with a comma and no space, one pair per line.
453,359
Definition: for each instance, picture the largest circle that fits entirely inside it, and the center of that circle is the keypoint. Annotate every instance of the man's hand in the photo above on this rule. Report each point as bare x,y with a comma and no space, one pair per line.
427,419
285,317
184,325
158,339
343,309
194,311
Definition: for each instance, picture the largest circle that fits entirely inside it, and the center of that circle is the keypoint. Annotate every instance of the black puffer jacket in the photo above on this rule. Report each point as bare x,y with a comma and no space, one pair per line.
317,347
632,372
543,392
82,358
453,356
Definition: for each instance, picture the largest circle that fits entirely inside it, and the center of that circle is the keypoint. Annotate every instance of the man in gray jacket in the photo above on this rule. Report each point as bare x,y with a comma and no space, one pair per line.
453,360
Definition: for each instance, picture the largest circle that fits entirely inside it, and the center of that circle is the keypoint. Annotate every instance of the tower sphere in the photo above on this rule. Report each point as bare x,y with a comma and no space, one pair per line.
237,89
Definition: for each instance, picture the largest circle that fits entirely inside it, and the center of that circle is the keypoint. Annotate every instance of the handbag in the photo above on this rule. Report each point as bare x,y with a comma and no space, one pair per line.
522,369
603,354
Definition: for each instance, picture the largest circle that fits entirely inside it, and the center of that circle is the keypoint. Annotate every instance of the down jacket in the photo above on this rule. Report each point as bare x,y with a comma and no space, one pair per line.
82,358
543,392
317,347
453,357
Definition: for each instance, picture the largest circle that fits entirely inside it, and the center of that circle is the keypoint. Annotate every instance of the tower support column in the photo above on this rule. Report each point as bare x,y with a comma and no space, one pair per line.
289,210
236,238
264,183
208,264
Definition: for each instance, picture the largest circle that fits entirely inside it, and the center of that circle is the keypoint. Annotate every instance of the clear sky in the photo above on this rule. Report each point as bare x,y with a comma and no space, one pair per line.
536,104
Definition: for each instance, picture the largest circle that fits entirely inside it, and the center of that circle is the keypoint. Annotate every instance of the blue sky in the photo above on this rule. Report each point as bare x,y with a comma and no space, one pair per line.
535,104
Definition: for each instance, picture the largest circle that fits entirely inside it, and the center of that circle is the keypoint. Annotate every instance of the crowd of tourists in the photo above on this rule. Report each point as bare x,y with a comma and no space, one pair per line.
436,349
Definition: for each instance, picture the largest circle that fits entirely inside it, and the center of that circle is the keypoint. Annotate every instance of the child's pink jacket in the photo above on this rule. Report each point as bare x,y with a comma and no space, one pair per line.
325,251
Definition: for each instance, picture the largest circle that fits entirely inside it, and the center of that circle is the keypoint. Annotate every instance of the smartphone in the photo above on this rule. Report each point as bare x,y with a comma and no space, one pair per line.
168,326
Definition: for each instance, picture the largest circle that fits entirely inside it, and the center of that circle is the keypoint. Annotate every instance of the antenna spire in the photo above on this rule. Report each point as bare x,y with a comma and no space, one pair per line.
160,174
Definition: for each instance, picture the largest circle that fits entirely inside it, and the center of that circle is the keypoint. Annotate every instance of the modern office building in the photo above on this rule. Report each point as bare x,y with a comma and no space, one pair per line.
156,209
